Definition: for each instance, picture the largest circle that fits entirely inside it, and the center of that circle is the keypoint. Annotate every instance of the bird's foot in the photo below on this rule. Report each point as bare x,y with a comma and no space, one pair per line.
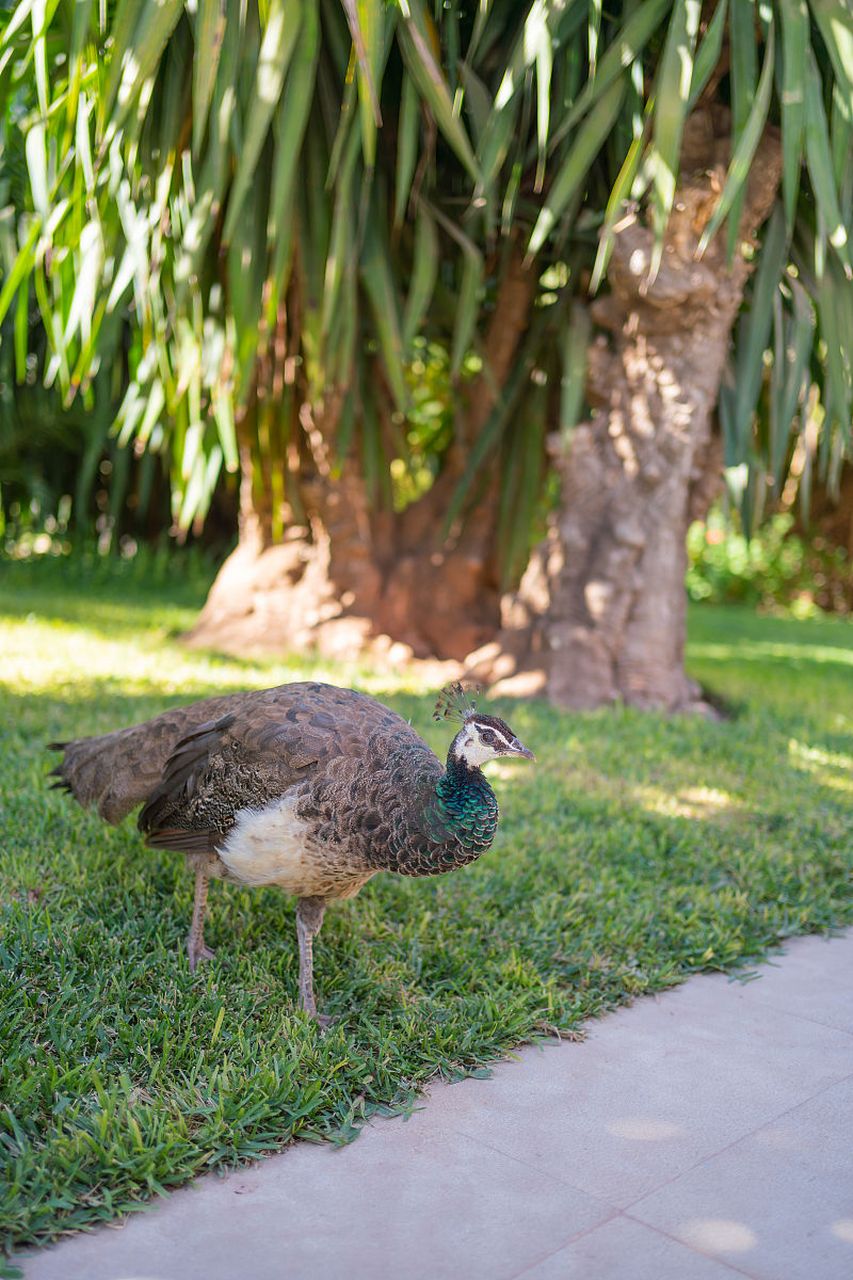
323,1020
197,952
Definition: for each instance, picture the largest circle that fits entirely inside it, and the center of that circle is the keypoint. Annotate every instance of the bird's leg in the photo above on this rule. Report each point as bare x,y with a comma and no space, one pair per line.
196,950
309,918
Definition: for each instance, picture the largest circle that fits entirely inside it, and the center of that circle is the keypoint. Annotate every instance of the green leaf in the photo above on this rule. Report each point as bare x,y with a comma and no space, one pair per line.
624,49
36,153
490,436
493,147
533,49
379,282
407,148
425,259
366,19
200,487
573,170
792,98
22,335
708,53
154,403
279,40
671,101
743,73
468,299
86,283
122,30
593,34
478,101
247,269
741,160
619,193
39,20
290,124
841,142
835,315
84,149
142,56
79,35
343,339
21,267
425,71
575,346
342,246
819,158
754,330
20,15
544,63
792,352
209,35
836,26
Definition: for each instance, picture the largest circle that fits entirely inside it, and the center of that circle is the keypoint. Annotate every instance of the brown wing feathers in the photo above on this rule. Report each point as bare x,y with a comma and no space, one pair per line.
115,772
194,767
180,780
241,761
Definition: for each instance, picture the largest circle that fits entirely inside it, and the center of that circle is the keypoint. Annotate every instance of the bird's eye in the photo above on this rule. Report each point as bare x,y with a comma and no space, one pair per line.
488,737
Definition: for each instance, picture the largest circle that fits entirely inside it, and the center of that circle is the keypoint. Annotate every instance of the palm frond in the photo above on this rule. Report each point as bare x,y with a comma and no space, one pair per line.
253,195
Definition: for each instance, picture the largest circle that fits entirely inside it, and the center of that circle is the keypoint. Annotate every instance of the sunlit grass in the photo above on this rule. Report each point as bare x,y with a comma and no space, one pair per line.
637,851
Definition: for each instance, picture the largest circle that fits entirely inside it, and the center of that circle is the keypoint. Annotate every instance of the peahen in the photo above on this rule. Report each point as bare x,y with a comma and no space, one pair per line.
306,786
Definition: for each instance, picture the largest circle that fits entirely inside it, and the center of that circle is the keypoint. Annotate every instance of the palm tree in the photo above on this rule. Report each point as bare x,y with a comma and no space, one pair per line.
385,260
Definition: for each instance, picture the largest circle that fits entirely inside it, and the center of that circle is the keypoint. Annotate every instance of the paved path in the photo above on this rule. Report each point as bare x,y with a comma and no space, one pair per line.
704,1135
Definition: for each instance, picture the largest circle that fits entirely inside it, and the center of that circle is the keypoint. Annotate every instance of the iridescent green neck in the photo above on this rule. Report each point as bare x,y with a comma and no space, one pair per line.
466,806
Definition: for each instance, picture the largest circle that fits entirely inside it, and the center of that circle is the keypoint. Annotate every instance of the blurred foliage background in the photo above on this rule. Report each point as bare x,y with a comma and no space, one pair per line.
169,170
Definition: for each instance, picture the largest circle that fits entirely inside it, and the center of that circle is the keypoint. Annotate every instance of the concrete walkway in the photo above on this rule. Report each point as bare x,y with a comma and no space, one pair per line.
703,1135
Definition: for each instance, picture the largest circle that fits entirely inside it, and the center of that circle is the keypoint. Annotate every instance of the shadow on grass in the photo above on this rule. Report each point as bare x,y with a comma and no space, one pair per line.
618,799
618,752
638,850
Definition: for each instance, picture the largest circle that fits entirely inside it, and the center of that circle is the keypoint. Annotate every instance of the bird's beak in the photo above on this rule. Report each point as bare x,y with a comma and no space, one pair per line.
519,749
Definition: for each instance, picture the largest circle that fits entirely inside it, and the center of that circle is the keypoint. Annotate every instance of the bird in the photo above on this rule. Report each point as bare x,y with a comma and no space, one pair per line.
307,786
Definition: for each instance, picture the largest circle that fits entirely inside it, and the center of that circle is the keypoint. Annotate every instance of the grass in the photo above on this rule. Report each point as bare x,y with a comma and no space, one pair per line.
637,851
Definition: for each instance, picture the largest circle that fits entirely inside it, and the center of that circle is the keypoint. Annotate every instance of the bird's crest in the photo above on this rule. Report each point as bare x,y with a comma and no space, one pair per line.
455,702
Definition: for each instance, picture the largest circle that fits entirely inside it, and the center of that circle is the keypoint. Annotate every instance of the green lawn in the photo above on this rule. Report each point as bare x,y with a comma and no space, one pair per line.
637,851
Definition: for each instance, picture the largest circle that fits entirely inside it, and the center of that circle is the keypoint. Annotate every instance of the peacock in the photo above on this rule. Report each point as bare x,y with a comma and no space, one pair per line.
307,786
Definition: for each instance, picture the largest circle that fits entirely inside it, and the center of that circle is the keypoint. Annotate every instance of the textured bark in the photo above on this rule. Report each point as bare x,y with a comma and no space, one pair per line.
352,580
601,613
318,588
441,593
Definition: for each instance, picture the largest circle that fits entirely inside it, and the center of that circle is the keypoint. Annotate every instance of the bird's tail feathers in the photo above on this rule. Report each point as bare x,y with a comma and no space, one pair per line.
117,771
112,773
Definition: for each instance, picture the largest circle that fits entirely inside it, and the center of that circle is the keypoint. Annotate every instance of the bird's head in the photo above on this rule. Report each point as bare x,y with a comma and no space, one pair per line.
481,737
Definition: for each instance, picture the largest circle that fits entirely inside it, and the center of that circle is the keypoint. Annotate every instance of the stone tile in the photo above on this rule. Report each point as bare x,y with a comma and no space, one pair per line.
810,978
654,1089
724,1110
402,1202
779,1204
622,1249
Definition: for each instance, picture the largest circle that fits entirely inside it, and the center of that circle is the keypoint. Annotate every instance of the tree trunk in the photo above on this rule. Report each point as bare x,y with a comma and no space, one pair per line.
352,580
600,615
441,590
316,589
